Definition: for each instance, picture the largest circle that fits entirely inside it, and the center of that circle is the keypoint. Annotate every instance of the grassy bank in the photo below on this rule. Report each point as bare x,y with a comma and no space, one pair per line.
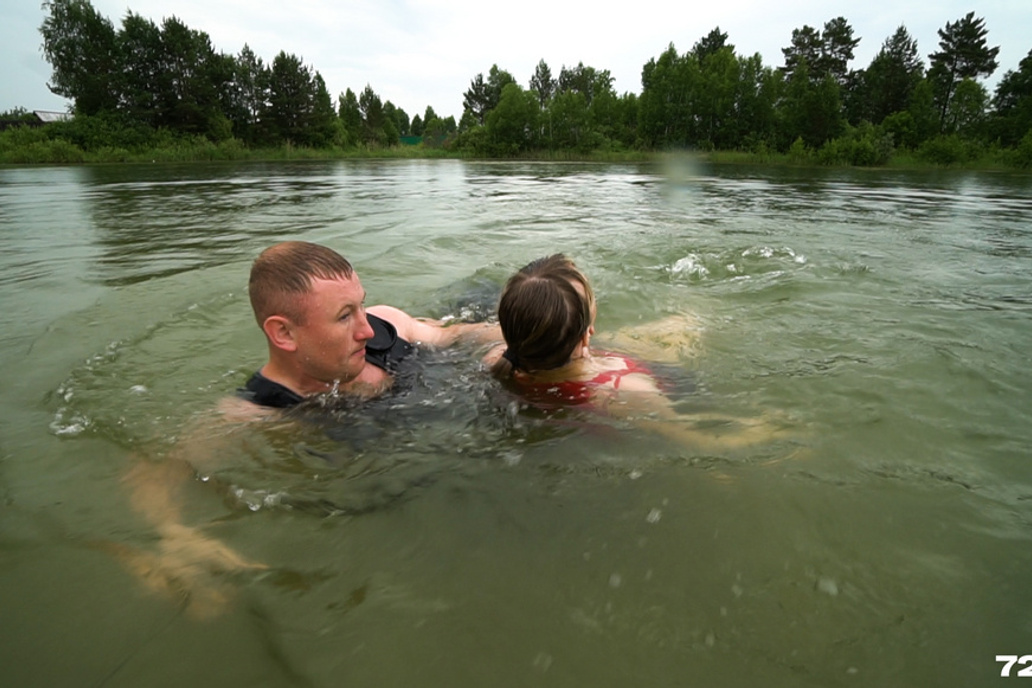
47,146
904,160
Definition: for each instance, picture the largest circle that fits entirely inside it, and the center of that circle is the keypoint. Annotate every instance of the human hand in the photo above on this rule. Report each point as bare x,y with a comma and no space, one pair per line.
188,565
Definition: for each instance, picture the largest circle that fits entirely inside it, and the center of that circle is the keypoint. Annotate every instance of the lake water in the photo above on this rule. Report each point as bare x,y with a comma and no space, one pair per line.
443,536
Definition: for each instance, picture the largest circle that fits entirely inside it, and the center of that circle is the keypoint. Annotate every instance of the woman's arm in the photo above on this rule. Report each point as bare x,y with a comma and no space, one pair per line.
673,339
640,401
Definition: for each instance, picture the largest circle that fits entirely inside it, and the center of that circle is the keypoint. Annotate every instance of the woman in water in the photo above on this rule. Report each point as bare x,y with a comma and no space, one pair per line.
547,315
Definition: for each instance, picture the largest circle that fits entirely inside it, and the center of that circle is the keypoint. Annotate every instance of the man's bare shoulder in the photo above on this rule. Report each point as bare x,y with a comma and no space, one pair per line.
435,333
402,321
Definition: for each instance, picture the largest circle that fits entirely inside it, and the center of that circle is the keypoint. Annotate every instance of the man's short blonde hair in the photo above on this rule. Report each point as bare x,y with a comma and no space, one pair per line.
283,274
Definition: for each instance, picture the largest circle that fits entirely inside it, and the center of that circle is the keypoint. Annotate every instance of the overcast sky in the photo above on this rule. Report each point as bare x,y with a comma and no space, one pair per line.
425,52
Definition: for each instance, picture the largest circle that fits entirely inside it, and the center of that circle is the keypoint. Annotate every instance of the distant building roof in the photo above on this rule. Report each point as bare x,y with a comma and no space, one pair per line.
47,117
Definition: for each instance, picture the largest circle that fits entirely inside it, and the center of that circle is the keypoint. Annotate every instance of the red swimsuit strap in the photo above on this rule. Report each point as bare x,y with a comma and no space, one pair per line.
615,376
579,391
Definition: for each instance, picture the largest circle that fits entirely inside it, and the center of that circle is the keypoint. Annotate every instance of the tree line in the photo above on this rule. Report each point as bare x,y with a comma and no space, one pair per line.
128,82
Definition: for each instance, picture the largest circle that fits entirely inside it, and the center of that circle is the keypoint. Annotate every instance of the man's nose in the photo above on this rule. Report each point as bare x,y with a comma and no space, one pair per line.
365,331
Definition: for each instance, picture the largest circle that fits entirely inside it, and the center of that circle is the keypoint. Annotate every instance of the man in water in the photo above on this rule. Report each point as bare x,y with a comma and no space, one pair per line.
311,306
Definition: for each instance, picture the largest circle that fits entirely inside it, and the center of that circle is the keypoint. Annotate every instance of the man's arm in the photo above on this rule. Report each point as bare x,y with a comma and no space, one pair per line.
426,332
185,561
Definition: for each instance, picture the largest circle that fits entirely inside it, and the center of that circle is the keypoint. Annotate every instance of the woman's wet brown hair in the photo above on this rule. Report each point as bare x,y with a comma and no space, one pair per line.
543,316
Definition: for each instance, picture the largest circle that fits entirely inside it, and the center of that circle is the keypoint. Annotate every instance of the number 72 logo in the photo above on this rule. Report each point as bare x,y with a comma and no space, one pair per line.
1010,660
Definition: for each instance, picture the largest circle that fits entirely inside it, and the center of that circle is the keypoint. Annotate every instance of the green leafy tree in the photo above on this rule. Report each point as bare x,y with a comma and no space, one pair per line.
401,119
1012,102
923,112
902,128
568,122
249,95
222,68
827,52
396,124
665,113
708,98
812,111
141,49
759,90
605,115
580,112
350,116
836,50
390,135
323,127
390,113
17,114
428,115
625,120
468,121
715,107
587,81
967,111
291,100
964,54
484,95
823,54
417,126
511,125
476,100
542,83
377,128
497,80
190,77
436,131
890,79
710,44
806,47
82,49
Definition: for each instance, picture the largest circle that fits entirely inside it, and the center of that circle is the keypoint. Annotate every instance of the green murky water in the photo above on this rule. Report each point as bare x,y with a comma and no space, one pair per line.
441,536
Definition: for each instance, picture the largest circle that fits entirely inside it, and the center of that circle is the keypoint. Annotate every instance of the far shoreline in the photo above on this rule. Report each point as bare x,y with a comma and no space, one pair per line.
233,151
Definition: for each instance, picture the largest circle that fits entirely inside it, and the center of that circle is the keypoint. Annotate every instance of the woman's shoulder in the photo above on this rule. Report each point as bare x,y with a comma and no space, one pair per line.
623,373
616,365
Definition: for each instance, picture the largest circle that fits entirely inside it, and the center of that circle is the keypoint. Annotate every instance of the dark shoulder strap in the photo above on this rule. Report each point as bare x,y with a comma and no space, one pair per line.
264,392
386,349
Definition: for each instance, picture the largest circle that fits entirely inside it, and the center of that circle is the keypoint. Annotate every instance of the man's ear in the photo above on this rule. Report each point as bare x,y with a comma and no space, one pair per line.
280,332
